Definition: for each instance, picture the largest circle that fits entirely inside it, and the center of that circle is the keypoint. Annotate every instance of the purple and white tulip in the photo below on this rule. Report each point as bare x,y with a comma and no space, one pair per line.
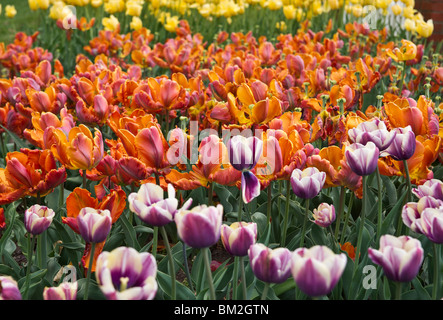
9,289
400,257
412,213
375,131
151,207
238,237
270,265
126,274
362,159
244,152
65,291
432,187
317,270
403,145
94,225
324,215
250,186
38,219
200,227
308,183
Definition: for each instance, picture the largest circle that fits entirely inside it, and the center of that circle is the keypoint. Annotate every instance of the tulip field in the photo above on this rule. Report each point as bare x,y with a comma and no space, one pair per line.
229,150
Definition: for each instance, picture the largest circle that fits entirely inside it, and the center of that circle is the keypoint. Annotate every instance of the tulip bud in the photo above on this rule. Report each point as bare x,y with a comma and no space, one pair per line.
308,183
324,215
238,237
374,131
432,187
65,291
400,258
270,265
38,219
126,274
200,227
94,224
9,289
403,145
317,270
362,159
244,153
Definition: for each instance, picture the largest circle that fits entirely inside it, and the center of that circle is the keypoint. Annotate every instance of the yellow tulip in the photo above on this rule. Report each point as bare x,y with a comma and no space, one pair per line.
136,23
396,9
357,10
425,29
382,4
114,6
281,26
10,11
133,9
43,4
33,5
171,23
408,12
110,23
289,12
334,4
96,3
410,25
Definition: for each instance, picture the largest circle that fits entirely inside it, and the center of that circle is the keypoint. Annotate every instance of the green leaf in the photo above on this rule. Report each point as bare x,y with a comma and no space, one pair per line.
393,215
261,220
73,245
129,231
164,283
19,142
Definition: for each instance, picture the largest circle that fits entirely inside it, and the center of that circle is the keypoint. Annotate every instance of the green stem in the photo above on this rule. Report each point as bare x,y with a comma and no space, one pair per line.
348,213
265,291
436,285
269,203
398,287
235,278
362,223
243,278
171,262
88,276
210,193
408,181
188,274
209,273
31,244
341,209
84,179
154,242
240,205
61,198
305,219
285,222
380,205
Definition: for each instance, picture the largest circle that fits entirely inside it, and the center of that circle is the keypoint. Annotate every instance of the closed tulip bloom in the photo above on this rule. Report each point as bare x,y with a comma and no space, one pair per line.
412,211
38,219
317,270
126,274
244,152
94,224
200,227
270,265
150,206
400,257
427,221
403,145
374,131
9,289
324,215
308,183
362,159
65,291
238,237
432,187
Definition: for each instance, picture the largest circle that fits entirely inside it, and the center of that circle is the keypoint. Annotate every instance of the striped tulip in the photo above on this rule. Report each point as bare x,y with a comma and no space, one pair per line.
317,270
94,225
308,183
324,215
238,237
126,274
403,145
65,291
374,131
270,265
400,257
9,289
432,187
38,219
362,159
412,213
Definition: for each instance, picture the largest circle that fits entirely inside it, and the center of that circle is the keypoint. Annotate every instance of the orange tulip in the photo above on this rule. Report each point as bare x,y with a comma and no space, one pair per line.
407,51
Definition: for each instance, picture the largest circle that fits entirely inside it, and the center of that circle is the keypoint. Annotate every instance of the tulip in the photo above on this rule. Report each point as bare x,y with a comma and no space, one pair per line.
94,224
9,289
403,145
200,227
238,237
324,215
65,291
126,274
432,187
317,270
307,184
374,131
362,159
38,219
270,265
412,211
400,257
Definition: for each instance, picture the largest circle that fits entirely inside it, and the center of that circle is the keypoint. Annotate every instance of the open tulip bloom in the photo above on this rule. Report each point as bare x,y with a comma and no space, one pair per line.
362,159
374,131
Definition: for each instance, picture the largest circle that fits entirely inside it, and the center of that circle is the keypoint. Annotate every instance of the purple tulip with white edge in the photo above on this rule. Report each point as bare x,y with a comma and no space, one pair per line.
238,237
362,159
403,145
126,274
432,187
64,291
372,131
412,212
151,207
308,183
94,224
38,218
324,215
244,153
270,265
9,289
400,257
317,270
200,227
